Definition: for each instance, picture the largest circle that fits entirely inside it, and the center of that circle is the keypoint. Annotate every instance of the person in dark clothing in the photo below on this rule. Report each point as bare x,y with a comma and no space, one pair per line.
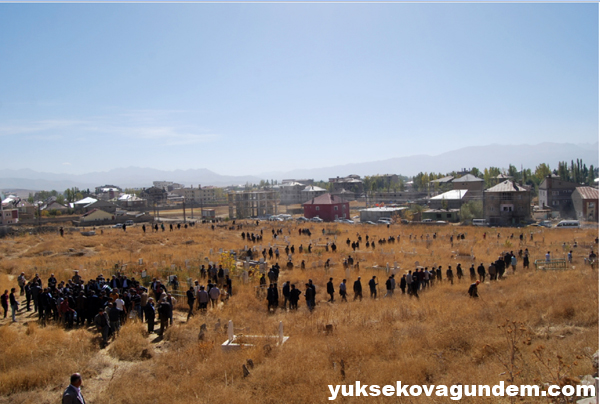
191,298
310,297
481,272
459,272
403,284
330,289
472,273
373,287
164,313
285,290
473,290
271,305
450,275
294,297
357,289
150,313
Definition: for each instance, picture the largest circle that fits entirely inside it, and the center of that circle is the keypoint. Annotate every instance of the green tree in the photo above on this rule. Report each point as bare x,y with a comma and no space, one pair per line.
541,172
471,210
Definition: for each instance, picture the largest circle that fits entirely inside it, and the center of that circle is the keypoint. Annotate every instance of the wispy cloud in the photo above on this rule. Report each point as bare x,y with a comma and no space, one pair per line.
156,126
39,126
66,164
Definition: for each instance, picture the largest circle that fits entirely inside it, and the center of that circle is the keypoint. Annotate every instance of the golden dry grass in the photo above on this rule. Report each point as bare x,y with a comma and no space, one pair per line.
443,338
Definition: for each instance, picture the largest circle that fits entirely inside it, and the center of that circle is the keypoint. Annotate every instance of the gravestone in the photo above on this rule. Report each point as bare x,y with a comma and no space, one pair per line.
230,335
140,261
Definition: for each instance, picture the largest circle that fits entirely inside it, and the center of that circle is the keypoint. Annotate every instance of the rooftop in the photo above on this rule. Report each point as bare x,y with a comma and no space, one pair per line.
451,195
468,178
325,199
587,192
506,186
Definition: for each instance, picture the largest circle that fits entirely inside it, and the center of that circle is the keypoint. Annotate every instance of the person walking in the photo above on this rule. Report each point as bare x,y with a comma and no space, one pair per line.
72,394
14,305
191,297
373,287
150,313
5,302
330,289
342,291
309,294
357,290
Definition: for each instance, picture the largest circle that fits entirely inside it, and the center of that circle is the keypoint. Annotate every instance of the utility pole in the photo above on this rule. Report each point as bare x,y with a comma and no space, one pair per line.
192,208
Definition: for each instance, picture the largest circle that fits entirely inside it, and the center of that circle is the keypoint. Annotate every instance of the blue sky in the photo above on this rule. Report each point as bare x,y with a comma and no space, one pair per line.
249,88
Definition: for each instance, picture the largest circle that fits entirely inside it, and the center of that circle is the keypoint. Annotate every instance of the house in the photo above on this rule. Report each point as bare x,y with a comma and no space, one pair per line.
449,200
290,193
96,215
55,206
506,204
555,193
102,205
154,195
351,183
585,203
244,204
9,216
471,183
131,201
441,185
328,207
447,215
78,205
374,214
311,192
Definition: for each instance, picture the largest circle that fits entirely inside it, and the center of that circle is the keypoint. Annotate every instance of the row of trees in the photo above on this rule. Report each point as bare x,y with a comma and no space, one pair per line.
576,172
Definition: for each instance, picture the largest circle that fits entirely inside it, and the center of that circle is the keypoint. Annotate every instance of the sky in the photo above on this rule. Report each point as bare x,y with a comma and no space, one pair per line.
249,88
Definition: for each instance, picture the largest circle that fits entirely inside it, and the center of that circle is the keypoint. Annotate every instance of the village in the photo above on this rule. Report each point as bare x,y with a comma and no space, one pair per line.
484,199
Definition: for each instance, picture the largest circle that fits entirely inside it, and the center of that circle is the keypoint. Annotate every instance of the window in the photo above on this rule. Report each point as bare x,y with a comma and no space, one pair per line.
335,208
505,196
316,207
555,193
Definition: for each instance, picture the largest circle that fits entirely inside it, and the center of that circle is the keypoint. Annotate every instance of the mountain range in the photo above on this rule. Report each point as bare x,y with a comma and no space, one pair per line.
496,155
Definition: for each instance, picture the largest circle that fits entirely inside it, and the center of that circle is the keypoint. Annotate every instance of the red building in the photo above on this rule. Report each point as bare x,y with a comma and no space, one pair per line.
328,207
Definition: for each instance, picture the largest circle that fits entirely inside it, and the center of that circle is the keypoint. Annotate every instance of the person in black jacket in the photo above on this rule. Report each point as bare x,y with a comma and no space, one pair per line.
286,294
164,313
330,289
150,313
294,297
373,287
473,290
191,298
481,272
357,289
310,297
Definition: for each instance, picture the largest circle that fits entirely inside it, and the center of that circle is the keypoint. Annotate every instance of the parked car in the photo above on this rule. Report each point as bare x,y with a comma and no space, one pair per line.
369,222
316,219
302,219
384,221
426,221
129,223
118,226
348,221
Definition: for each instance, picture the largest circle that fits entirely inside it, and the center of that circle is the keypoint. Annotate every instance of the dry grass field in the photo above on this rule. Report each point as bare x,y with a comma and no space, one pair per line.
547,321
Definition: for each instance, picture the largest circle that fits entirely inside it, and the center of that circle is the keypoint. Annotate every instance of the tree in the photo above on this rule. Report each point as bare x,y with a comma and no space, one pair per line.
471,210
541,172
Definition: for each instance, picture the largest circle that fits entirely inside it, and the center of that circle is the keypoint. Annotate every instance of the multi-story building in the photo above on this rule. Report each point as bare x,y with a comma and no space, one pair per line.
585,203
245,204
506,204
555,194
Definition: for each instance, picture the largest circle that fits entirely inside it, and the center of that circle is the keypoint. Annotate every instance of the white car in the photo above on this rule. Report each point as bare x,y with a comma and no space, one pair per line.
118,226
347,221
316,219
